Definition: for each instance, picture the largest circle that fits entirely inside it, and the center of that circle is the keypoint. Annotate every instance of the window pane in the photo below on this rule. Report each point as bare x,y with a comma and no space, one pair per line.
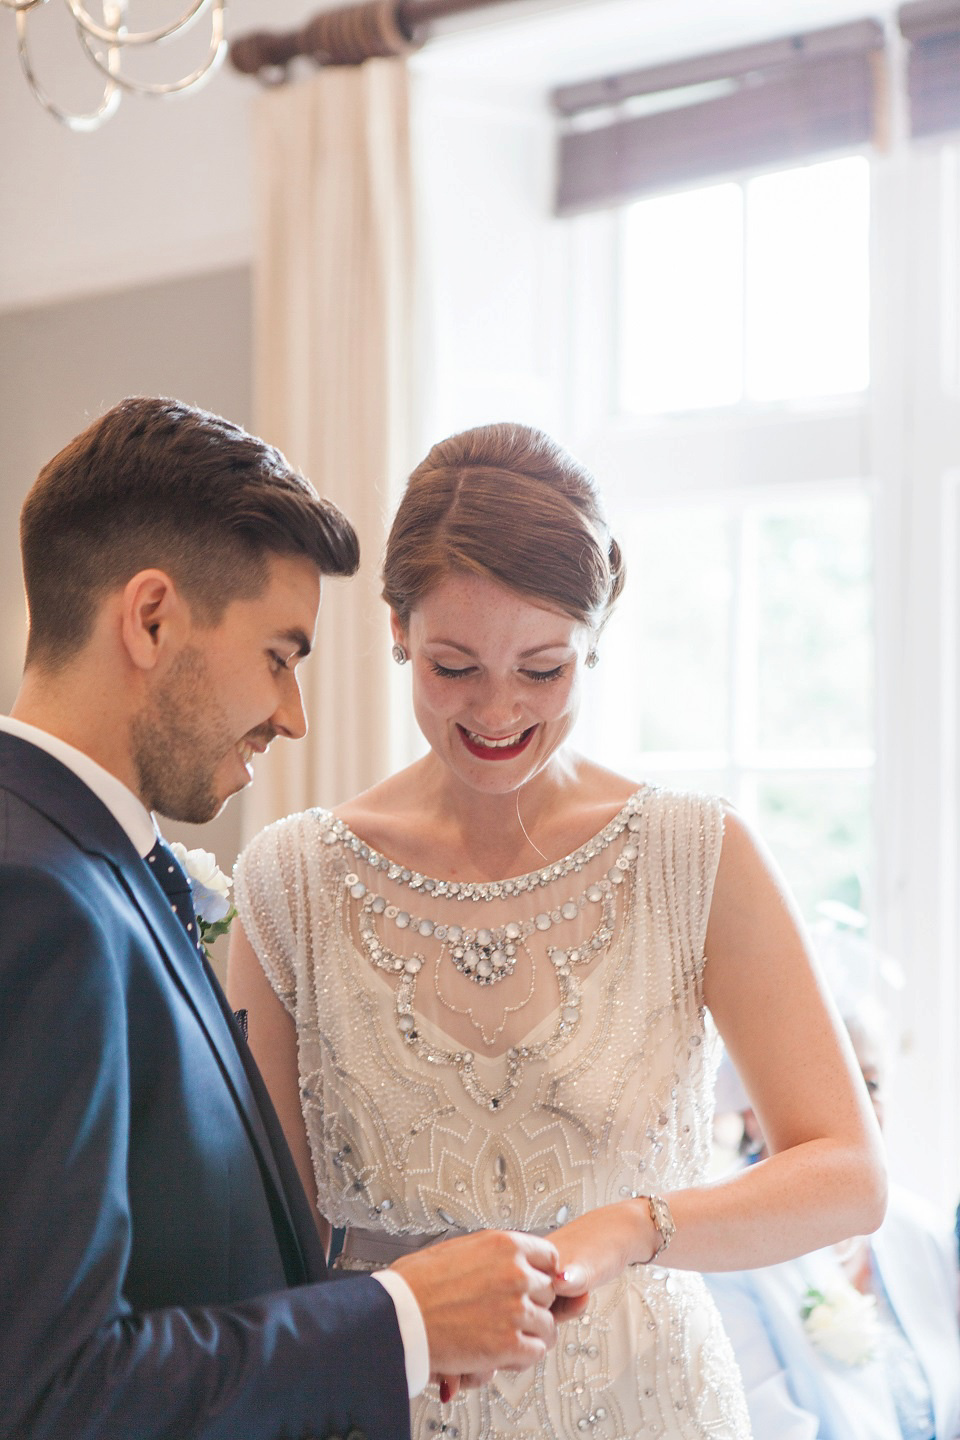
681,315
807,264
819,829
663,681
815,625
681,601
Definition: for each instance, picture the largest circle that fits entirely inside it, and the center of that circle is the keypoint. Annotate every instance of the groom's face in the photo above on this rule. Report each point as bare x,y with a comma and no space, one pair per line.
229,691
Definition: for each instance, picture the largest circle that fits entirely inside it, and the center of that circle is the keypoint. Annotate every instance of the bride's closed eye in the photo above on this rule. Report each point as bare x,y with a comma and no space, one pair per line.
542,677
447,673
539,677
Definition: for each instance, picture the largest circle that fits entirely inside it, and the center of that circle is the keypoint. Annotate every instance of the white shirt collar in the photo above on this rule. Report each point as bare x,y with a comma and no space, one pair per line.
128,811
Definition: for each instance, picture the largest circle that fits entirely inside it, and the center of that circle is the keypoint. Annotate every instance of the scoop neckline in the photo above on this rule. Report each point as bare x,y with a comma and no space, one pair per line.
553,870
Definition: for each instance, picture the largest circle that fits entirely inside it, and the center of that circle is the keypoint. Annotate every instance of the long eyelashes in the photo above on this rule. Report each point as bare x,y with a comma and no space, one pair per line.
539,677
543,677
446,673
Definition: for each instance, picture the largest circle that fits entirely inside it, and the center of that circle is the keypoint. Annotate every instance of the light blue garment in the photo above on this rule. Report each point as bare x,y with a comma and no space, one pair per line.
908,1381
793,1391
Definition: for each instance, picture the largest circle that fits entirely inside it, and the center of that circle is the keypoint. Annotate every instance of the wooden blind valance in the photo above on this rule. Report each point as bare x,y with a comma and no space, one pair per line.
760,105
932,31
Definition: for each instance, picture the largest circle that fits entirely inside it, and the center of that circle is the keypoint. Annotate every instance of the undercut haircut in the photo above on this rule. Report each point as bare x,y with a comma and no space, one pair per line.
158,484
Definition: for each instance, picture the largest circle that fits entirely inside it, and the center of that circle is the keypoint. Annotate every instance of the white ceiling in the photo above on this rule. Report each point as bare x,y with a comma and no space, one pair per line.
164,188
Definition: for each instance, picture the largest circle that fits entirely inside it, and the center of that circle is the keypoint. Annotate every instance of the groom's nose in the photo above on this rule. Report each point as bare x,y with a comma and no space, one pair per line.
289,718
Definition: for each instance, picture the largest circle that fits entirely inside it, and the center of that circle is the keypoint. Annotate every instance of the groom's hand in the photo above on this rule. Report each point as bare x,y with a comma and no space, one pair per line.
485,1300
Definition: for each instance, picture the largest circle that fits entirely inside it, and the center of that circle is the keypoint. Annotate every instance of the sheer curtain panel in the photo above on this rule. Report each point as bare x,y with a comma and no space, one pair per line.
333,366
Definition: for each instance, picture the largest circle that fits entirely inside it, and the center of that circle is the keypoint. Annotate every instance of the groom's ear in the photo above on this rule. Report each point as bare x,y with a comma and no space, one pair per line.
154,618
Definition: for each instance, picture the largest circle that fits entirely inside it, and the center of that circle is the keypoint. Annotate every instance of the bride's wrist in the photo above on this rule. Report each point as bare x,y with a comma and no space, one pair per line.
655,1227
643,1235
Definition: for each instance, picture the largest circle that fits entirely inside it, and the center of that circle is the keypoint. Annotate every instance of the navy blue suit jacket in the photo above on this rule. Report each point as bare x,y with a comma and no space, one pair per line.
159,1265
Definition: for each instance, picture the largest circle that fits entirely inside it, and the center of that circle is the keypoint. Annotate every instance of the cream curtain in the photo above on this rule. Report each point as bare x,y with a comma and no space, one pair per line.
333,388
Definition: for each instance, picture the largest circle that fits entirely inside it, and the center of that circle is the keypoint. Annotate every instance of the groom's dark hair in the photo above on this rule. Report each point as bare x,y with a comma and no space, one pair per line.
157,483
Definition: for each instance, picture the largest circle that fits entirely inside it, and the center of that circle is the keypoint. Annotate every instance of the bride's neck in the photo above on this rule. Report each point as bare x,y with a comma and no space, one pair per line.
497,836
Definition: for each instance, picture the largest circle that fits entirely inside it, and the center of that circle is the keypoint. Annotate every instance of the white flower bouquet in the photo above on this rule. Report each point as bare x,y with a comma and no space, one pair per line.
210,889
841,1323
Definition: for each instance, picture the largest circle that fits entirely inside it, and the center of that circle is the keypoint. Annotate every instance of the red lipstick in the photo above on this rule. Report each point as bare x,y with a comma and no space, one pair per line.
500,752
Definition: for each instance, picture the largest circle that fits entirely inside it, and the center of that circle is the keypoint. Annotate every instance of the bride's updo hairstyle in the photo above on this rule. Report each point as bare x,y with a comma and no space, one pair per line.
507,502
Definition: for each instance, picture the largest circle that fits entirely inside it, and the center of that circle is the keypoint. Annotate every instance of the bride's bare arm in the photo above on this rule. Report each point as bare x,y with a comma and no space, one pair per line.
825,1177
273,1041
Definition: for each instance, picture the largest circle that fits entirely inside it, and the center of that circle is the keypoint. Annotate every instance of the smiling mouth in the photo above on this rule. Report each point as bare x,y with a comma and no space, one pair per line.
503,749
247,749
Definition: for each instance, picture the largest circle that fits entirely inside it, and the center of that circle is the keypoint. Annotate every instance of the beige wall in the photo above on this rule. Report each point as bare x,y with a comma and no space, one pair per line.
62,365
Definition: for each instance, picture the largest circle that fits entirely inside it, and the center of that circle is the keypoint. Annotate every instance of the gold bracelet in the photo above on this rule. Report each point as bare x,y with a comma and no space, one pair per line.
663,1223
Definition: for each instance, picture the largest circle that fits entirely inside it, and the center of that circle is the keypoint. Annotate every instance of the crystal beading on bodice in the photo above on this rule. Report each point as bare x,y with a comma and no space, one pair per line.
488,955
573,1070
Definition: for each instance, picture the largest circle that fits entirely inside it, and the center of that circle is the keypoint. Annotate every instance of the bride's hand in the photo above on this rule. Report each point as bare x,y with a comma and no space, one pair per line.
451,1385
598,1246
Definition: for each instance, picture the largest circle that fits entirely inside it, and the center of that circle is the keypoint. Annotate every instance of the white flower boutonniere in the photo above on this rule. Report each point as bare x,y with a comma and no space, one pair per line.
841,1323
210,889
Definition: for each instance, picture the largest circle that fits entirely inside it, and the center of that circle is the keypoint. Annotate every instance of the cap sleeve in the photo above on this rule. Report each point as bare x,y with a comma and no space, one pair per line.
682,840
270,885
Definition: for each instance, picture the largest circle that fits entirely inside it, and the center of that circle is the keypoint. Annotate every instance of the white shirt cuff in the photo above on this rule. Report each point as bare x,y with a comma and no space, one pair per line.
413,1332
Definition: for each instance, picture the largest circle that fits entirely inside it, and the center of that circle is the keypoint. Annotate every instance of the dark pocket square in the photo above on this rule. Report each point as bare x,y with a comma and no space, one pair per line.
241,1018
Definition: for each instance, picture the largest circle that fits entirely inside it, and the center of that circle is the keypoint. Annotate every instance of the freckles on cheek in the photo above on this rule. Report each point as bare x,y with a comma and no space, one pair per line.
442,697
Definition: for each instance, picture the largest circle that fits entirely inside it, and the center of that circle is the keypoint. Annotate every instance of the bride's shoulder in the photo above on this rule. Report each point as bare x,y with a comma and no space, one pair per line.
599,786
284,837
387,814
661,804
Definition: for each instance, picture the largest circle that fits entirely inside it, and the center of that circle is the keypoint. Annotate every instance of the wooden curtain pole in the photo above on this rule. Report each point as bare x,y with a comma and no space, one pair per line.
346,36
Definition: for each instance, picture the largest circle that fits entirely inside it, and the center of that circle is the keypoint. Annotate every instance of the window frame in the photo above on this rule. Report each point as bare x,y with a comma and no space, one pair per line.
900,438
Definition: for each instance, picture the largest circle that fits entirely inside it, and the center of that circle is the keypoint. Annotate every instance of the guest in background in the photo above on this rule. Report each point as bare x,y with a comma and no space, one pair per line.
859,1341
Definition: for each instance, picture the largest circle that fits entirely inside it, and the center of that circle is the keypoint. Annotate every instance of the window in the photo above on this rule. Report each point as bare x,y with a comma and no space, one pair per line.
774,416
742,657
741,662
757,291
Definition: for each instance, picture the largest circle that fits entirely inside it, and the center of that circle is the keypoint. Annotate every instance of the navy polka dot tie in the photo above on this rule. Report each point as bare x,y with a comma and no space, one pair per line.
175,885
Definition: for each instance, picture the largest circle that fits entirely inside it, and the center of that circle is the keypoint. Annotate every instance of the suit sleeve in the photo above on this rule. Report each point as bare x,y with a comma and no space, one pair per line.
774,1414
76,1359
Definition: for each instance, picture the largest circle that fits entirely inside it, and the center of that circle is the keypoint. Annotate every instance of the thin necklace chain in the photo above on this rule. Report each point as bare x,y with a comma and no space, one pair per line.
526,836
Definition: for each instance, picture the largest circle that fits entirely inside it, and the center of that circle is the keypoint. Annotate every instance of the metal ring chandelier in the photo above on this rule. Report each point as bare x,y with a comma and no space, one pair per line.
105,41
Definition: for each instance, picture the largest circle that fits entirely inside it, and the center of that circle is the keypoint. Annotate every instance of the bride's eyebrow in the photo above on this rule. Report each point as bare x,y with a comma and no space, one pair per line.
539,649
524,654
451,645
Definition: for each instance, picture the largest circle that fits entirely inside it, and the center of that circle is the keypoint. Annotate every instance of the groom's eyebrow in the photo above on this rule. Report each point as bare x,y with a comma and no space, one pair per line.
297,638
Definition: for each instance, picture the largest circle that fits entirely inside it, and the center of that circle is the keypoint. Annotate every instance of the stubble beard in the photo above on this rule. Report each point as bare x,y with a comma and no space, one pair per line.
179,740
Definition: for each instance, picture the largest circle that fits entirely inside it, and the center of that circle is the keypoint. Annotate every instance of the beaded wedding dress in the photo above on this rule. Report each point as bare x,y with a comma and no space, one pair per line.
512,1055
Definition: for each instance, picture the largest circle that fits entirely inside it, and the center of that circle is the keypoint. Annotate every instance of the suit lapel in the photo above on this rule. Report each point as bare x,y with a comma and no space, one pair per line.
192,973
42,782
192,976
846,1403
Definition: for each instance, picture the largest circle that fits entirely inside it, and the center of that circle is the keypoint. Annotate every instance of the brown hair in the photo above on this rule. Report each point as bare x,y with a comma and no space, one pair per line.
155,482
507,502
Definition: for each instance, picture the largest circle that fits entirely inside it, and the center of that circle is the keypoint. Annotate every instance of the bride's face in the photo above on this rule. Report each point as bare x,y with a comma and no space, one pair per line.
496,680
